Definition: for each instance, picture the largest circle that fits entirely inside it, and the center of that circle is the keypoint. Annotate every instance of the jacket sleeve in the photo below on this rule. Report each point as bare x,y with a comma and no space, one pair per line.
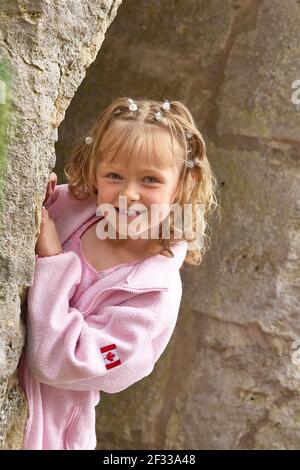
118,347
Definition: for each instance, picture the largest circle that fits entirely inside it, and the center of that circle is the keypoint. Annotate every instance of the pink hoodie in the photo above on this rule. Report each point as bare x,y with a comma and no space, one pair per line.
109,340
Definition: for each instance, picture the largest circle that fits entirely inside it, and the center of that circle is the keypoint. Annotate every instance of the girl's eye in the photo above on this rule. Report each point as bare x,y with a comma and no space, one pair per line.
154,180
113,174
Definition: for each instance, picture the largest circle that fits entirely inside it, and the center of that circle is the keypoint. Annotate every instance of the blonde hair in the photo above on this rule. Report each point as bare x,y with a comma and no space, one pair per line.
120,131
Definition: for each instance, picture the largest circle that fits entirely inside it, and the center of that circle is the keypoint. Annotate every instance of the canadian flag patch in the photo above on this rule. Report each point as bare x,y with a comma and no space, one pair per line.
110,356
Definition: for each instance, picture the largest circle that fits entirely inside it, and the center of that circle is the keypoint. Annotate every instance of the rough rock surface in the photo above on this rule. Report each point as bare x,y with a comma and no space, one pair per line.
47,46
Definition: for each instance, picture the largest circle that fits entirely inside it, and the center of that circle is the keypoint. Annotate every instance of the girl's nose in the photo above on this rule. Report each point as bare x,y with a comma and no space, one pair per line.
131,192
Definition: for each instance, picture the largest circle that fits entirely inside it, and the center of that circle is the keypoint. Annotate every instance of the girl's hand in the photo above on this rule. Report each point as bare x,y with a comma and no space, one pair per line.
48,243
51,185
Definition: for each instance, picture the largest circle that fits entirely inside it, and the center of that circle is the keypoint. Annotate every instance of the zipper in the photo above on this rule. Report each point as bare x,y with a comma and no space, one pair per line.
65,435
125,289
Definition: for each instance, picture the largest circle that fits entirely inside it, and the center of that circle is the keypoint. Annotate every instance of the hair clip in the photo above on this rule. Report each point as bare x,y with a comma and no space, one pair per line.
158,116
189,163
199,162
166,105
88,140
132,105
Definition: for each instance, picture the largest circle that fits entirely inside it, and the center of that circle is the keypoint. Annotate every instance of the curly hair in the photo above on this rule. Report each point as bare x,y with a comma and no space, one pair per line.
119,132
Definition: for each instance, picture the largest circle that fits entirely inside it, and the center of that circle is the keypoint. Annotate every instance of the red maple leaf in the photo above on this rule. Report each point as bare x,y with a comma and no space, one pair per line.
110,356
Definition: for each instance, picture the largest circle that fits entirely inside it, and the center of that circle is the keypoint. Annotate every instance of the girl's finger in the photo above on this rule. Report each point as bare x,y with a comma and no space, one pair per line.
45,215
52,185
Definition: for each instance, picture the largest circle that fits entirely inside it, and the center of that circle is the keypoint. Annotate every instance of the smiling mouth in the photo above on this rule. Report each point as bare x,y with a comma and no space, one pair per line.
134,214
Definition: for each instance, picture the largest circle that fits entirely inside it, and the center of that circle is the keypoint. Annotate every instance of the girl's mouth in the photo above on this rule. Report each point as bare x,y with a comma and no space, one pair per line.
130,214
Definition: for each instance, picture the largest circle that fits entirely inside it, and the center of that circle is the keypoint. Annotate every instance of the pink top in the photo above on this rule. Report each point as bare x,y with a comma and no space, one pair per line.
106,341
89,274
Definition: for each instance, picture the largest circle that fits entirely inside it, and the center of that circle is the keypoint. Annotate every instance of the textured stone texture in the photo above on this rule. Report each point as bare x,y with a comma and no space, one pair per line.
48,46
226,380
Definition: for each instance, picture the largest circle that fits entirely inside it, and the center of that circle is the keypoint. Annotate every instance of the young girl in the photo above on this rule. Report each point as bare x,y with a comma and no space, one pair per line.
102,309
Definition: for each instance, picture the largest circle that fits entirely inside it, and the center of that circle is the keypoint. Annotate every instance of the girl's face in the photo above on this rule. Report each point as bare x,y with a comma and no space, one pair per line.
149,190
